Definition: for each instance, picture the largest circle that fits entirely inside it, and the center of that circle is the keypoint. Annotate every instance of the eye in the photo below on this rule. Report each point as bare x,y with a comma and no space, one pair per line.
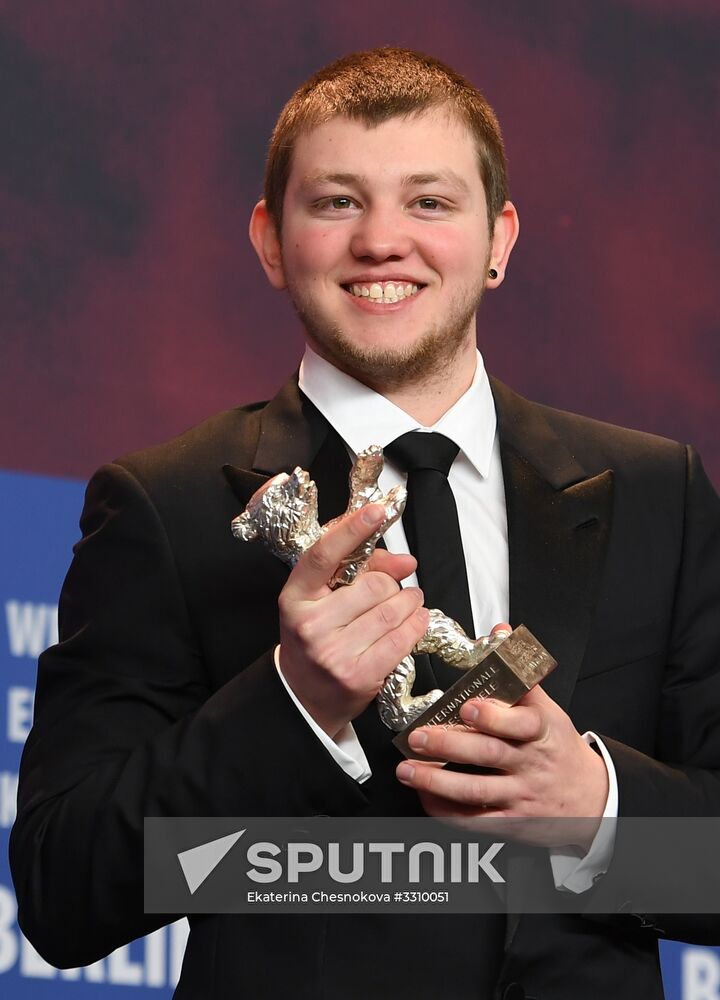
430,205
337,203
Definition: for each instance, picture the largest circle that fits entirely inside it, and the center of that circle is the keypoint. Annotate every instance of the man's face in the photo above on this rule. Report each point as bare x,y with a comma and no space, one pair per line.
385,244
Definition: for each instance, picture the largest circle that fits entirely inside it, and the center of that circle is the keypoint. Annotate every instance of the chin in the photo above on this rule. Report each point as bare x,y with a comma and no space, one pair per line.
390,366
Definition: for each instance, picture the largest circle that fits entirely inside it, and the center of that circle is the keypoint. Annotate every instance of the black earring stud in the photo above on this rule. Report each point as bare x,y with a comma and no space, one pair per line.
492,272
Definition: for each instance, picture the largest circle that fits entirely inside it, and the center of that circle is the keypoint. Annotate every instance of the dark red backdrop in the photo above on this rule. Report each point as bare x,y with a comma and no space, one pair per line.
132,150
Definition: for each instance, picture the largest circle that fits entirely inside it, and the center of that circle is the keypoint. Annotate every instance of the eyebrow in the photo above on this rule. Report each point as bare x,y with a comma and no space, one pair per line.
332,178
409,180
441,176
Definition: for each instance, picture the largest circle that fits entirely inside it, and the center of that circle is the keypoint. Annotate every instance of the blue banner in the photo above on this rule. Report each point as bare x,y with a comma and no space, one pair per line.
38,527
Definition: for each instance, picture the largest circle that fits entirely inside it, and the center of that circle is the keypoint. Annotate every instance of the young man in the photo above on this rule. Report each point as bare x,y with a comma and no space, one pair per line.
196,677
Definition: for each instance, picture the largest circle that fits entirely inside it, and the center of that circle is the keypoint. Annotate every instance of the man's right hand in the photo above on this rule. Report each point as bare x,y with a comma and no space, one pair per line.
338,646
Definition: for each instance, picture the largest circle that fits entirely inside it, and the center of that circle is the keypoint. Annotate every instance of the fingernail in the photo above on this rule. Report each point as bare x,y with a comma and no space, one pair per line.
373,514
405,771
472,713
418,739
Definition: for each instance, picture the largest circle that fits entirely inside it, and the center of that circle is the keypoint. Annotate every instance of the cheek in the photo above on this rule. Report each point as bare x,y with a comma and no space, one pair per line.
458,254
313,251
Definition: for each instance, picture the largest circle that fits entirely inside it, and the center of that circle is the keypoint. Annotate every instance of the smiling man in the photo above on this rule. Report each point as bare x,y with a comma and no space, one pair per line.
197,677
386,248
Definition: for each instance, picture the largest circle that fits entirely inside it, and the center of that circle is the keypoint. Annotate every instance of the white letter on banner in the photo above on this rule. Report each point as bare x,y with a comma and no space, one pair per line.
33,965
20,702
8,937
31,627
70,974
95,973
8,798
155,958
700,974
179,932
123,972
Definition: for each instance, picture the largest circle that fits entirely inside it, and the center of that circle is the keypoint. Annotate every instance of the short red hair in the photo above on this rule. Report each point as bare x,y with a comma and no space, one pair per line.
372,87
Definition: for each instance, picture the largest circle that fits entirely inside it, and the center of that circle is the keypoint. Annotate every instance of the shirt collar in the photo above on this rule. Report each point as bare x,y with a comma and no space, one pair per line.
363,417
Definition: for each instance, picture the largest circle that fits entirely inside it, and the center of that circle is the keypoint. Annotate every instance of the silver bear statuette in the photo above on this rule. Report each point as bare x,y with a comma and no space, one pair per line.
283,514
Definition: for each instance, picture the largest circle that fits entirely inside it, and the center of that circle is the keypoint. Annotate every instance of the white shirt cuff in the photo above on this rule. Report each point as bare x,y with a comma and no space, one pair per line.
574,872
345,749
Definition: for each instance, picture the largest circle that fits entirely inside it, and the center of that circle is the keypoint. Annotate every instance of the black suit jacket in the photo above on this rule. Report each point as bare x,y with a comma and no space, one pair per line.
161,699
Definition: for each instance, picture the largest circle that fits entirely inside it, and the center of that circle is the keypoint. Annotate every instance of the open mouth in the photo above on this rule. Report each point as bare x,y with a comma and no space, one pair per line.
383,292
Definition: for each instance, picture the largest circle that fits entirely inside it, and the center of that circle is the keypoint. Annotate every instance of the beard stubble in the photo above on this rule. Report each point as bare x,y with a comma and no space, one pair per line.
382,368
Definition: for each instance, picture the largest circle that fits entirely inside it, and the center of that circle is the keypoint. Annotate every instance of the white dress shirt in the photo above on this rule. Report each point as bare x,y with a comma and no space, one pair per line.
362,418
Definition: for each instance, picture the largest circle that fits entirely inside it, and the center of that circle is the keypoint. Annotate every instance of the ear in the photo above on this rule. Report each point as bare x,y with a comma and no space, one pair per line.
264,237
507,228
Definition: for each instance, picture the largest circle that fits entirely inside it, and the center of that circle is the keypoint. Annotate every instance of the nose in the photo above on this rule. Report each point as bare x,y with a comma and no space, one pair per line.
381,234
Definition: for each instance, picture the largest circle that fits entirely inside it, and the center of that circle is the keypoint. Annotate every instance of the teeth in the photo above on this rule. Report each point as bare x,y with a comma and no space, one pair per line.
388,293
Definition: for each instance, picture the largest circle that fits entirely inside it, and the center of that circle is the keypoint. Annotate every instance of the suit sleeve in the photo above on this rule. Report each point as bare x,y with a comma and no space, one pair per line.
683,776
126,726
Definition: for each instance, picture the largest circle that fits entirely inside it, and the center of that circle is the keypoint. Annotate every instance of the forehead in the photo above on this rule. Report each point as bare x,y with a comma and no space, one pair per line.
432,143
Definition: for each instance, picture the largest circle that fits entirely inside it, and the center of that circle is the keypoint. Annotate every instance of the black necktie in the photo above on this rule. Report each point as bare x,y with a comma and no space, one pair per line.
432,530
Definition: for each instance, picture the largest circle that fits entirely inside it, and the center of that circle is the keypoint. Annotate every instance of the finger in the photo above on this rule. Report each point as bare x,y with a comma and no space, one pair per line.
481,791
385,654
502,627
464,746
469,817
341,607
395,564
309,579
382,618
510,722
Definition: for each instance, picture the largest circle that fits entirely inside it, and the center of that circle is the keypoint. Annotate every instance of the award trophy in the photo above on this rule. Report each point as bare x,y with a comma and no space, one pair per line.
503,666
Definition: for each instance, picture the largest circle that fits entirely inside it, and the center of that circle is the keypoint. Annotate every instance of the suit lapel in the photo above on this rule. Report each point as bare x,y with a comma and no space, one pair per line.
289,432
293,432
558,527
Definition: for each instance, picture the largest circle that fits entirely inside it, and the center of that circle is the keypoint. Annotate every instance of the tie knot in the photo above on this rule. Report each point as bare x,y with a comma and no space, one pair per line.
419,450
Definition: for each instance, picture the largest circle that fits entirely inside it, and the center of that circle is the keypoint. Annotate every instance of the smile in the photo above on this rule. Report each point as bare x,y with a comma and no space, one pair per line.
383,292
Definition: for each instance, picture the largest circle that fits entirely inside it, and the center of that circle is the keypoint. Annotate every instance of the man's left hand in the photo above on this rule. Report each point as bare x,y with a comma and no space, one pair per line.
545,769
